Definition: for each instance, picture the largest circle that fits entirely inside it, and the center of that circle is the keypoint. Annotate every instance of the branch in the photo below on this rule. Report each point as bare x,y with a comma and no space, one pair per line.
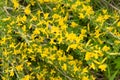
113,53
112,6
6,10
114,35
69,78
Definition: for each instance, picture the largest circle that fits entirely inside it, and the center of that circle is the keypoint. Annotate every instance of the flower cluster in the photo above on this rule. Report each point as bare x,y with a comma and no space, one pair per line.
56,40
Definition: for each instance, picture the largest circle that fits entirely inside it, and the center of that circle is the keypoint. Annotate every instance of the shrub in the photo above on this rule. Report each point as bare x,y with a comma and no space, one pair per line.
58,40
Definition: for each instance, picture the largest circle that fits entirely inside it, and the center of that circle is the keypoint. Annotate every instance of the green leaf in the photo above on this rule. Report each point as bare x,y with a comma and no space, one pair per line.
117,62
114,75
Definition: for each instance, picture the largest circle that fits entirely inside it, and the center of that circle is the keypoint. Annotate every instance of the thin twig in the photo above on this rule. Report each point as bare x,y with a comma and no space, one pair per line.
14,70
112,6
114,35
69,78
49,7
24,37
41,7
63,73
113,53
6,10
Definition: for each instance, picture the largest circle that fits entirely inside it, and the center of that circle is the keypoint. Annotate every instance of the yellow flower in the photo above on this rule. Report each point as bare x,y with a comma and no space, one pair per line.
26,77
81,36
118,24
92,66
106,17
16,51
60,40
55,16
83,31
32,2
101,64
15,3
73,6
52,57
19,67
40,77
24,28
104,11
11,72
45,52
100,18
70,57
88,56
27,10
24,18
85,70
4,78
13,22
97,33
102,67
46,15
32,58
75,68
81,16
85,78
34,18
73,24
73,38
64,27
55,29
105,48
12,45
73,46
72,62
62,58
64,67
39,12
5,53
89,11
36,31
61,21
28,63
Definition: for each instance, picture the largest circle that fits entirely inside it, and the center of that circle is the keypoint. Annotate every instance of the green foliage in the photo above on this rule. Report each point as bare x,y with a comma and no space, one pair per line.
59,39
